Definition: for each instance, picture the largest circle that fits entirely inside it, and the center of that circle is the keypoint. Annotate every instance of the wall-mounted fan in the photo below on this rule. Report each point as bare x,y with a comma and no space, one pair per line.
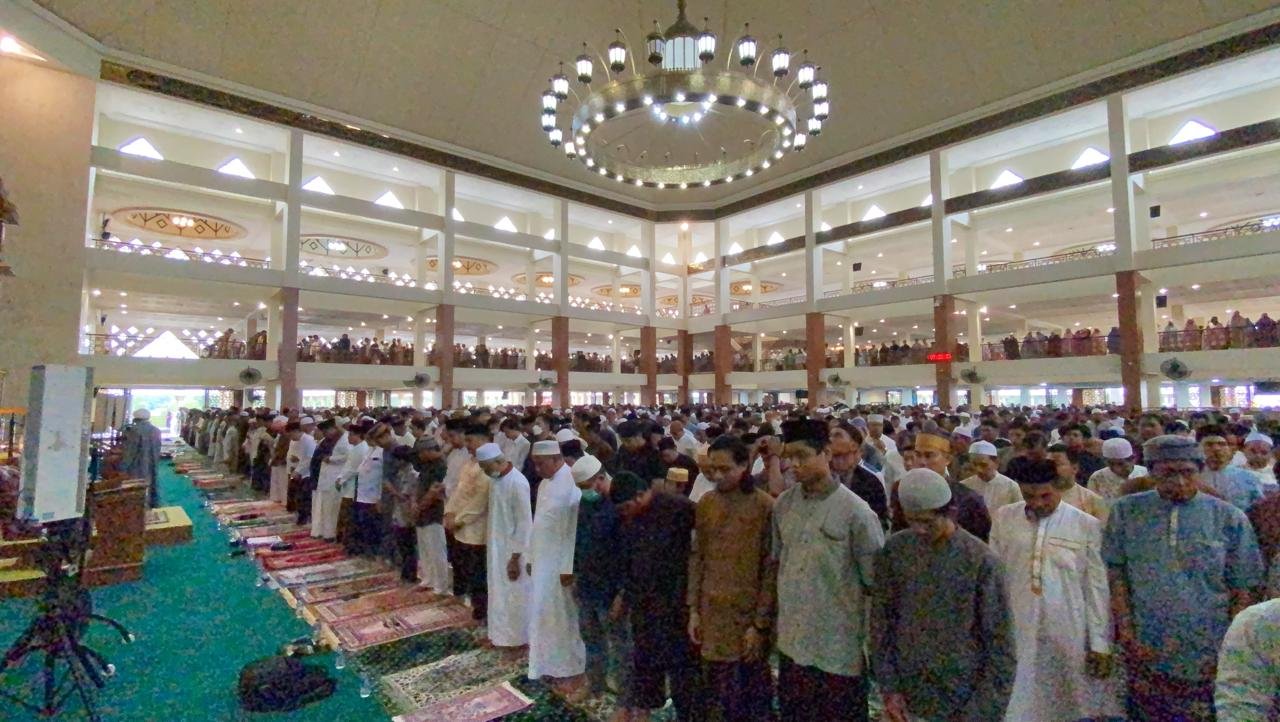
250,376
419,381
971,376
1175,369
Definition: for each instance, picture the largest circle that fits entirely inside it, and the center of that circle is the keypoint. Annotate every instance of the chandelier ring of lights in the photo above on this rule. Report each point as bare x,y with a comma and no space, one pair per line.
681,88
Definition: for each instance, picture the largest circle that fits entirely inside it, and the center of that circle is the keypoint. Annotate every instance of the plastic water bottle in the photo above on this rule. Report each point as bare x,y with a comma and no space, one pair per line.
366,686
340,660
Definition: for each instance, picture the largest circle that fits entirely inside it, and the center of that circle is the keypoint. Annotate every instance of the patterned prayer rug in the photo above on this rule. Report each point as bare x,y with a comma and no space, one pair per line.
482,705
450,678
374,602
245,507
317,593
293,560
327,572
297,544
367,631
263,520
288,531
415,651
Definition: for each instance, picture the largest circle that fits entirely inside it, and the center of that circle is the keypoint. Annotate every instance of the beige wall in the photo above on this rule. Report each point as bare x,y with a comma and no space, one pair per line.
44,160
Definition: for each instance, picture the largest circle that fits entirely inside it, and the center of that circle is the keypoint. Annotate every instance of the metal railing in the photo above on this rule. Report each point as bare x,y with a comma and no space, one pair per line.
1101,250
1050,347
174,253
1252,227
1217,338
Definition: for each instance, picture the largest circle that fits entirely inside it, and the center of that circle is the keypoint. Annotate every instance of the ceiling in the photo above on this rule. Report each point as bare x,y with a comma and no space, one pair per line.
465,75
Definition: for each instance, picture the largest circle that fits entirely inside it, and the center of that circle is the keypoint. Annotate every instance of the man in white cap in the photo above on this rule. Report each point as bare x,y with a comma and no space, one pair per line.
142,453
510,523
466,517
555,642
302,446
598,568
1257,459
1232,483
1057,587
280,460
996,489
1108,481
875,433
939,656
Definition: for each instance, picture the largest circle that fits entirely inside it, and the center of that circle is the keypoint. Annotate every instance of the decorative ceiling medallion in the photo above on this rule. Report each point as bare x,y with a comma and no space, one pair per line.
686,119
545,279
674,300
465,266
329,246
179,223
625,290
743,288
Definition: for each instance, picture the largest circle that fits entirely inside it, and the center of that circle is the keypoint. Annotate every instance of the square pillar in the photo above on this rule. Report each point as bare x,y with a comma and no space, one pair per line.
444,348
287,351
684,363
560,358
649,365
1131,341
1077,398
723,362
814,275
939,187
944,309
815,341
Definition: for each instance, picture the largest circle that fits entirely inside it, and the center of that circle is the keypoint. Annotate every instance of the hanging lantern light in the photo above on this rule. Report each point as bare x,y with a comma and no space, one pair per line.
815,126
617,53
549,101
806,73
746,47
799,142
548,121
655,44
821,109
706,43
556,136
570,150
584,66
781,60
560,84
819,90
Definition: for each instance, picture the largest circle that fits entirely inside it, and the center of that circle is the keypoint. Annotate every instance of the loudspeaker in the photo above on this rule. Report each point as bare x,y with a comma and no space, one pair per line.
857,266
1154,211
1266,387
1162,301
859,330
802,393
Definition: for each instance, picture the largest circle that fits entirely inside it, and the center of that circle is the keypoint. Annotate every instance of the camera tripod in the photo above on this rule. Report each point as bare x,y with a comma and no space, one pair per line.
63,614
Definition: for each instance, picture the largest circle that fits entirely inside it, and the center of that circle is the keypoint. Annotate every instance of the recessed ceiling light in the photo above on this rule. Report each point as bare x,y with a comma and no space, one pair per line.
1115,295
859,187
1009,229
235,303
880,255
395,169
1036,243
336,154
1204,214
1111,210
219,318
838,263
784,274
1013,306
610,221
799,205
1195,287
684,226
96,292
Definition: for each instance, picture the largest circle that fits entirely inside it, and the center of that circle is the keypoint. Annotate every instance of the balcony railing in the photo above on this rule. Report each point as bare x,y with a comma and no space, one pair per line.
1251,227
1050,347
1215,338
137,247
1101,250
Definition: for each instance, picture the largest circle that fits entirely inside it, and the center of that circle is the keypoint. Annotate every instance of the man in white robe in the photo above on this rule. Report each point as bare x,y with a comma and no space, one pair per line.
1057,584
997,490
328,497
555,643
510,523
141,458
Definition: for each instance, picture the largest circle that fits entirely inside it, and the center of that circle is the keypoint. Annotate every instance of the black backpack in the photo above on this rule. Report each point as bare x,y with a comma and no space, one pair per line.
282,684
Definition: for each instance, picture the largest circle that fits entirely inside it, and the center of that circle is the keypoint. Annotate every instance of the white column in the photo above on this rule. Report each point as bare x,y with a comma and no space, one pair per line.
561,257
615,350
530,351
275,327
722,273
755,286
1122,187
531,277
973,334
813,276
758,351
1182,394
293,203
850,344
445,241
939,186
648,235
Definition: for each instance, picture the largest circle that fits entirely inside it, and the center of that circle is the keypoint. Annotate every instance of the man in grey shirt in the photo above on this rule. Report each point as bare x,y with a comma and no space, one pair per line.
824,542
941,629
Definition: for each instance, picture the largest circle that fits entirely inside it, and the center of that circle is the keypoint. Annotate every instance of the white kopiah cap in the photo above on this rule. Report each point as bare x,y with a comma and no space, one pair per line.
984,448
1117,448
923,490
546,448
586,468
488,452
141,415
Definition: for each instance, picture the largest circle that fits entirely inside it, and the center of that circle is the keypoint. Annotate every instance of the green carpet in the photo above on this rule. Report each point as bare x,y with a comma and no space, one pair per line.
198,619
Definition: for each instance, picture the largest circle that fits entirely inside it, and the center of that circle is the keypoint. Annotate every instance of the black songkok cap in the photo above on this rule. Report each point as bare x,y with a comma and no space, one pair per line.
812,431
628,429
475,429
326,424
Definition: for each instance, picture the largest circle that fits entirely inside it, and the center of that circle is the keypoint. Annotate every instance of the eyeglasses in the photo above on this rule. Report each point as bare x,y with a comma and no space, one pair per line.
1167,474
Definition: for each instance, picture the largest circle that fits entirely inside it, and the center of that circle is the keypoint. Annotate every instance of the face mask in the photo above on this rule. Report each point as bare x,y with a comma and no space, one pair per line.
590,496
494,474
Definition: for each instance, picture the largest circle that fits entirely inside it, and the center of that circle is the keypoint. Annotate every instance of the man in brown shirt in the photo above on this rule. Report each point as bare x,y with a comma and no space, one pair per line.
730,589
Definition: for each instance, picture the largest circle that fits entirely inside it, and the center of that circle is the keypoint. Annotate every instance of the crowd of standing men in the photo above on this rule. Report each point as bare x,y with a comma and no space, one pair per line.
747,562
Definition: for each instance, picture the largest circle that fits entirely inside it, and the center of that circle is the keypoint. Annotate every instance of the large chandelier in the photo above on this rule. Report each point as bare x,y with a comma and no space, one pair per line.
684,116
